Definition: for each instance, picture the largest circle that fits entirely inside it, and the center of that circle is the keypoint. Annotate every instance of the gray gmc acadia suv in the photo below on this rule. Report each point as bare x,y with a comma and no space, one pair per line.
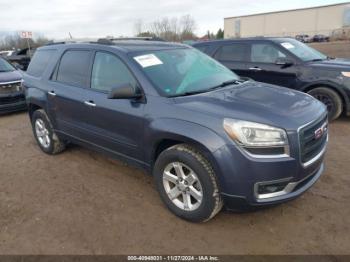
208,137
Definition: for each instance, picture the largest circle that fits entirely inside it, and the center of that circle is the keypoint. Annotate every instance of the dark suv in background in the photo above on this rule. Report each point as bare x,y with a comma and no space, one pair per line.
289,63
11,92
208,137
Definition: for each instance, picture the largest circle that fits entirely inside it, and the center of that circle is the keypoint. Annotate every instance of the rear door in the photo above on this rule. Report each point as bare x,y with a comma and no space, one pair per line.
233,56
67,93
262,65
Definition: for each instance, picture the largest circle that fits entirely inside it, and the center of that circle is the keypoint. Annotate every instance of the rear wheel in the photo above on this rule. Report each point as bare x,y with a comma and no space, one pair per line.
44,134
187,184
331,99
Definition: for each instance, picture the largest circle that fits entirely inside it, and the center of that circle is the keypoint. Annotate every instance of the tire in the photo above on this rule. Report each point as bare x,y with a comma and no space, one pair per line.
191,162
54,145
331,99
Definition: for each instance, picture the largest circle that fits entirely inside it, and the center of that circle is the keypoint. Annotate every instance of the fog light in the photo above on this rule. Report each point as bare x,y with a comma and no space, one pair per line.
271,188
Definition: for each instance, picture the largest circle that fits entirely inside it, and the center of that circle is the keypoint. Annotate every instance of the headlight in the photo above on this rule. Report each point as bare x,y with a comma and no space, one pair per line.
252,134
347,74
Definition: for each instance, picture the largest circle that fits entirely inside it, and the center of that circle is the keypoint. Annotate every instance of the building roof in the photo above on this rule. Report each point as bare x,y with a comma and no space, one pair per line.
290,10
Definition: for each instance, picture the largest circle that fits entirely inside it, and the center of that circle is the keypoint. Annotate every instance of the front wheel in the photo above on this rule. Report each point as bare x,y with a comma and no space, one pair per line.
331,99
187,183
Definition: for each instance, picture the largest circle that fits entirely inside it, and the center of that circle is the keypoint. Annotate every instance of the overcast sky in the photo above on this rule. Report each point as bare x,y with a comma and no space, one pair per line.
98,18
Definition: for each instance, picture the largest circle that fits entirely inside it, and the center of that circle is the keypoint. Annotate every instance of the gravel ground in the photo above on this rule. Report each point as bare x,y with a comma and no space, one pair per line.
81,202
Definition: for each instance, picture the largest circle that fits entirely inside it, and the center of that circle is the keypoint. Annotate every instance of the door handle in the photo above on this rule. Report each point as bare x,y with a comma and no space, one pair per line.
90,103
255,68
52,93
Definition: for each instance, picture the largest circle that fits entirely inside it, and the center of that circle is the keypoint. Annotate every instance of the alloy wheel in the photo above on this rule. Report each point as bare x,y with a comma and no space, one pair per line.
42,133
182,186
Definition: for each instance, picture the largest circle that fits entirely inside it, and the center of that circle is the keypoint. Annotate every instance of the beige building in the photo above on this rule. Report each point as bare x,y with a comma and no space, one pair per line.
316,20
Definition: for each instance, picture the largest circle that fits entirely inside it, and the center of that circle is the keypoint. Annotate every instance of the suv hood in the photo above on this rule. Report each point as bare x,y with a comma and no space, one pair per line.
336,64
10,76
257,102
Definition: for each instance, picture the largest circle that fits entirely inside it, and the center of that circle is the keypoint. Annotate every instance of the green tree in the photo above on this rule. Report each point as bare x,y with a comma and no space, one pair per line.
220,34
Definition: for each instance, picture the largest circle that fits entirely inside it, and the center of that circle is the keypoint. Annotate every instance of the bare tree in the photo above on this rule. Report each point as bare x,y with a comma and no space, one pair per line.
170,29
14,41
188,26
138,27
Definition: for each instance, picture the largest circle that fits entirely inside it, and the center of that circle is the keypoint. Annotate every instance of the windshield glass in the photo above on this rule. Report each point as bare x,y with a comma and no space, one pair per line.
177,72
304,52
5,66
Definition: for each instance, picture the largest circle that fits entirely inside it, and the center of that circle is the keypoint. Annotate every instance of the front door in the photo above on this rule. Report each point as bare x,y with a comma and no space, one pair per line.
114,124
262,65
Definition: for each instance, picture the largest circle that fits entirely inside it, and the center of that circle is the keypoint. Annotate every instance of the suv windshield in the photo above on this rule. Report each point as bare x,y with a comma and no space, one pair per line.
304,52
185,71
5,66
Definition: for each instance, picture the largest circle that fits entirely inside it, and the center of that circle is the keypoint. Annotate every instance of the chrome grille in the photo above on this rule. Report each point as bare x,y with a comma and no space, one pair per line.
10,87
313,139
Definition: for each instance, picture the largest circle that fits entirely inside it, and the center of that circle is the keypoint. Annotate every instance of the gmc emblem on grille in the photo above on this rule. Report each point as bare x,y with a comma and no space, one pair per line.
320,131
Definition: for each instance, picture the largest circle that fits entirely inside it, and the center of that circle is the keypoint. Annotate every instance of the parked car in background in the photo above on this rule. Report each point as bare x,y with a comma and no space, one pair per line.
207,137
320,38
289,63
6,53
11,92
20,59
304,38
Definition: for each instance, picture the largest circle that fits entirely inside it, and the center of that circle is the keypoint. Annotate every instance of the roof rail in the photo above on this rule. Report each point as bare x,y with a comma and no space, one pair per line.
112,41
60,43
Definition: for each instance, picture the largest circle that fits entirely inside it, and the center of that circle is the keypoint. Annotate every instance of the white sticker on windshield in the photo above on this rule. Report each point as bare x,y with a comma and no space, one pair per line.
287,45
148,60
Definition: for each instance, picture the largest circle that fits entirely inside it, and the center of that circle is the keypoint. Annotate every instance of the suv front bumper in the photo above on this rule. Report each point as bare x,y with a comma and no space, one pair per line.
245,181
12,103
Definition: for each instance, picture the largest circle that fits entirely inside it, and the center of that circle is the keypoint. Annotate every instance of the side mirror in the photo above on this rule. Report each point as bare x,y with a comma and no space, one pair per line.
284,62
124,91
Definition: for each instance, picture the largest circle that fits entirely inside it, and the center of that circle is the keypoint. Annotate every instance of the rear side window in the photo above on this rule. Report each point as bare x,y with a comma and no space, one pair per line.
74,68
39,62
232,52
203,48
109,72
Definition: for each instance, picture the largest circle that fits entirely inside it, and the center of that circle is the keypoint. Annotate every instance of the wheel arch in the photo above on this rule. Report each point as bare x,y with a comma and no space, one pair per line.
334,87
32,107
169,132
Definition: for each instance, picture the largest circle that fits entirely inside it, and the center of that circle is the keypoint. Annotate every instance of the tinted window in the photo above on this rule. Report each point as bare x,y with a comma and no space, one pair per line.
265,53
203,48
39,62
74,68
109,72
233,52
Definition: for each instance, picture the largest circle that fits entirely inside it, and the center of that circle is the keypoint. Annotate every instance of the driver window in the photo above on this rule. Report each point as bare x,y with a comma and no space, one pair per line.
265,53
109,72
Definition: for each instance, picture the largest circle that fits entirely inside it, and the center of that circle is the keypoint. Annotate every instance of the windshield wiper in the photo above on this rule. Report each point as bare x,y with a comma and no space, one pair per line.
190,93
317,60
223,84
227,83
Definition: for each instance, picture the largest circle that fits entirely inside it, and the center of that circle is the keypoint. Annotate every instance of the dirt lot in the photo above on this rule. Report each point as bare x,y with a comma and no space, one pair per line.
334,49
81,202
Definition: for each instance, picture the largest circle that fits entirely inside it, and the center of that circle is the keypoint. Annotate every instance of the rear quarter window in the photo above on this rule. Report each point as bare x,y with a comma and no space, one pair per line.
39,62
